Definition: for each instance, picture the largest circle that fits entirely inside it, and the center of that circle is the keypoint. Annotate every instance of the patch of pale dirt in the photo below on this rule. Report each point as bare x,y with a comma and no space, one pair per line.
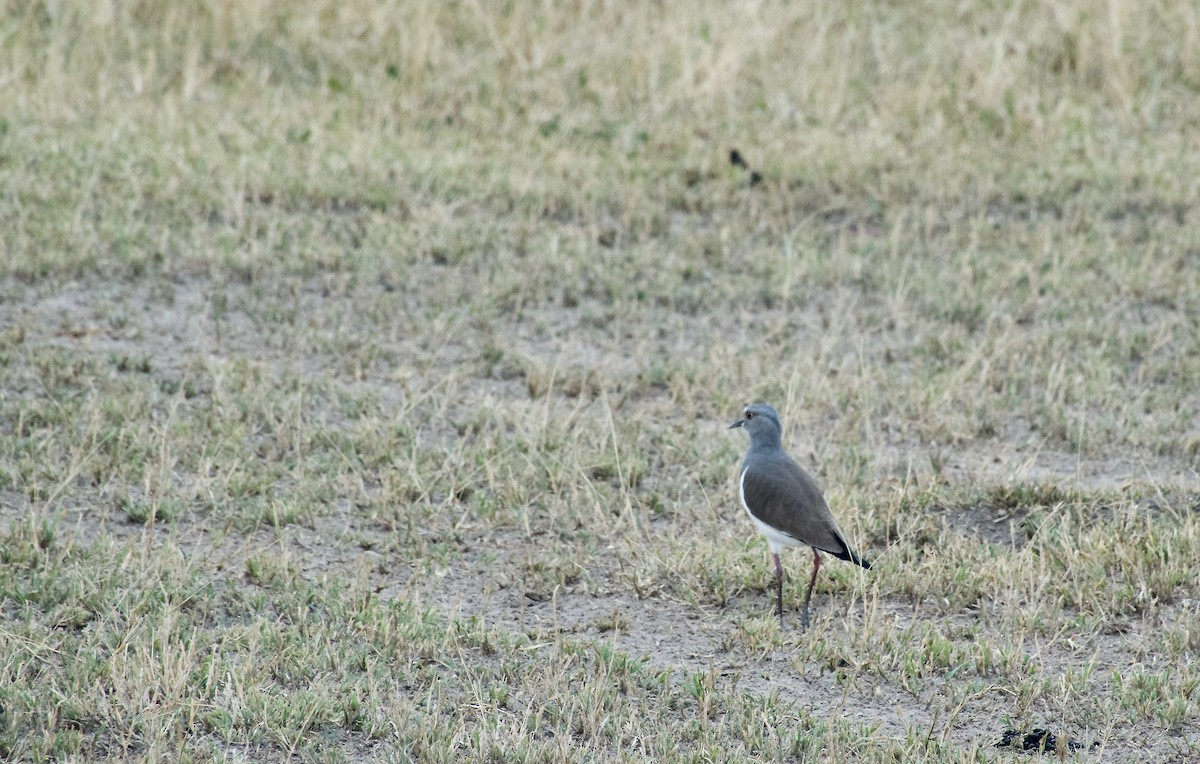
1002,528
1028,460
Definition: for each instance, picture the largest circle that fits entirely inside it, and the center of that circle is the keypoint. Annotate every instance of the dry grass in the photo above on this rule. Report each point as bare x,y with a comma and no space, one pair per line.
366,368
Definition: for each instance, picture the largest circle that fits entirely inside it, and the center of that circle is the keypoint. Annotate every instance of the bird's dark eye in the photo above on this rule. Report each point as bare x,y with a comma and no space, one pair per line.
749,414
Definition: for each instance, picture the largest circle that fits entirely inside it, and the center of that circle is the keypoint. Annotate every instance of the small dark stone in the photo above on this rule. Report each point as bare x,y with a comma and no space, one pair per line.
1040,740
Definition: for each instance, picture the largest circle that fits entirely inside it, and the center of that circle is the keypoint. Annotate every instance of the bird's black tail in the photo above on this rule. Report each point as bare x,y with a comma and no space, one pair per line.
849,555
854,558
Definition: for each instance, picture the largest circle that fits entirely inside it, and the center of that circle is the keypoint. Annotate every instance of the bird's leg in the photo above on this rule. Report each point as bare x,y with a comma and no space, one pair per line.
811,583
779,589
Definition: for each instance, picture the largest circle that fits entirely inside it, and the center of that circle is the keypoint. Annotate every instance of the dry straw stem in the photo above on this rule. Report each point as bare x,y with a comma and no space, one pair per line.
365,370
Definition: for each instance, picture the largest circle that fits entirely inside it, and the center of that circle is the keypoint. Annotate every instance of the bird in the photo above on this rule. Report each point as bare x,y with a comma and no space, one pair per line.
785,503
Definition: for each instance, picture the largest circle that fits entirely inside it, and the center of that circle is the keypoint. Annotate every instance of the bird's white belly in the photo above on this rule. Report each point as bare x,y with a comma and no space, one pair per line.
775,538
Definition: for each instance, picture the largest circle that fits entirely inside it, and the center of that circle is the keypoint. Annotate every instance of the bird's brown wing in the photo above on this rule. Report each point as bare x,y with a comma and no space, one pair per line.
782,495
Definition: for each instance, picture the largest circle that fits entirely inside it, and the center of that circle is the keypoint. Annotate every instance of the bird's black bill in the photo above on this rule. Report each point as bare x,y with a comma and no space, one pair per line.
737,424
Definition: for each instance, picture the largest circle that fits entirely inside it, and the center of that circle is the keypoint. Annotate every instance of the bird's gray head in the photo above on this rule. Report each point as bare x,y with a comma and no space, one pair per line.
762,422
